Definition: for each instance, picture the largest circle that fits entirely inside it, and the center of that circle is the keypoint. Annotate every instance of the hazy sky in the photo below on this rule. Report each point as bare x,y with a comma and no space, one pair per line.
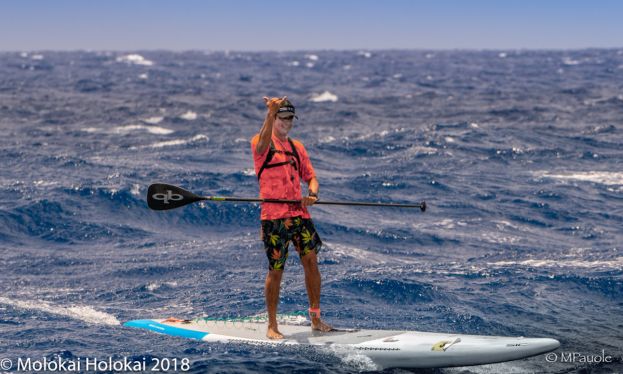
308,25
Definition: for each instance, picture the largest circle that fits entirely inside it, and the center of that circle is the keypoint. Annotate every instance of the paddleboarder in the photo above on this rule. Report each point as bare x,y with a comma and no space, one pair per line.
281,163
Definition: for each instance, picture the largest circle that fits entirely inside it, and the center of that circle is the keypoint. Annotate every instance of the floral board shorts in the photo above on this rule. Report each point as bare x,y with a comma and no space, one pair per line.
278,233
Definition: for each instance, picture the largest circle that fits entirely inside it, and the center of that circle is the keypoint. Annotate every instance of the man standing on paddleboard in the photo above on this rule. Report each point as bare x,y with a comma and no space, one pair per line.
280,165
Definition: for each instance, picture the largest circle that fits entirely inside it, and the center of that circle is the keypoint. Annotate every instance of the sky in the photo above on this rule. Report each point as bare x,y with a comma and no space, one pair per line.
246,25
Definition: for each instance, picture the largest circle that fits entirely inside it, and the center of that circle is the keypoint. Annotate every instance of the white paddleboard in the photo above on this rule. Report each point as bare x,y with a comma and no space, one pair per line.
386,348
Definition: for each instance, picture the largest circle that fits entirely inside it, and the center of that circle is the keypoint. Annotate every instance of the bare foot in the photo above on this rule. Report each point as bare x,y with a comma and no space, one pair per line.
273,333
318,325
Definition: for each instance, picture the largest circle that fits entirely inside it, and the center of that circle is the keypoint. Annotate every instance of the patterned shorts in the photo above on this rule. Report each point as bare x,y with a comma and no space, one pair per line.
278,233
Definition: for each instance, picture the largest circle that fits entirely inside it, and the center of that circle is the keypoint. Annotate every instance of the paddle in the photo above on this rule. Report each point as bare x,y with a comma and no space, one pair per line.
162,196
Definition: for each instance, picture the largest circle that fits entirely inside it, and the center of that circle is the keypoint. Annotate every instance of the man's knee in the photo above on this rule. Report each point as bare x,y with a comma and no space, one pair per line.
275,275
309,259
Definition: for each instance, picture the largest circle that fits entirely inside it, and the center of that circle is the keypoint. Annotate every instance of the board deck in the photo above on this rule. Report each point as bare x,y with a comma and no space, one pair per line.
386,348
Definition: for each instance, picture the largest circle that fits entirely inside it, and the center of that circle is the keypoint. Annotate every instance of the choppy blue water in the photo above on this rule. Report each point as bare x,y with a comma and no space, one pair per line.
519,155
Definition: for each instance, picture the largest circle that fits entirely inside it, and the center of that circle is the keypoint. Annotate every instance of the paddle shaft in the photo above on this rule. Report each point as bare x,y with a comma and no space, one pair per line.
285,201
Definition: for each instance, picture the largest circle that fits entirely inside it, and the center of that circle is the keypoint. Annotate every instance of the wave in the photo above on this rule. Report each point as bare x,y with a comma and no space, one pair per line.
352,358
176,142
390,291
72,217
323,97
153,120
93,86
150,129
189,116
156,130
613,264
134,59
337,252
80,312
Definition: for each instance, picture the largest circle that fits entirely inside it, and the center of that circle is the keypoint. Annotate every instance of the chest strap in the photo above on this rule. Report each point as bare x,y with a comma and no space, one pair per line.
271,153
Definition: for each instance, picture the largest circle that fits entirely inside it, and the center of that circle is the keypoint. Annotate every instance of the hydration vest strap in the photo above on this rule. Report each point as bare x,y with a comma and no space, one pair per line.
271,154
295,153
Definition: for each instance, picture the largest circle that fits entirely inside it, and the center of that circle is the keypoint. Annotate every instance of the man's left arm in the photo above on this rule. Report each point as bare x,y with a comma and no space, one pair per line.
309,176
312,195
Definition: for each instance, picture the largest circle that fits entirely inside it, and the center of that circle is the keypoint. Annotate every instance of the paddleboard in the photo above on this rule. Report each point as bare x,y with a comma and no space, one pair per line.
386,348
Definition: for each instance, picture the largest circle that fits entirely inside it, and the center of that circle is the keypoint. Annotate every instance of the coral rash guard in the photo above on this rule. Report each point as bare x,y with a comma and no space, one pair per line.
282,182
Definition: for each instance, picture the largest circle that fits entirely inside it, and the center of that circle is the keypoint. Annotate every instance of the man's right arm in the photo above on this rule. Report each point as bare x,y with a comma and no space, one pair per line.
267,128
265,134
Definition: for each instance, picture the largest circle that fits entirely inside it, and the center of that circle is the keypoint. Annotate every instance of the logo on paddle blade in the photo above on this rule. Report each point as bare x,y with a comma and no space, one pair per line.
169,196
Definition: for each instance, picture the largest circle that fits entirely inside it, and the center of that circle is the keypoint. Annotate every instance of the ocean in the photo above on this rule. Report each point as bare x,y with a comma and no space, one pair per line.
518,155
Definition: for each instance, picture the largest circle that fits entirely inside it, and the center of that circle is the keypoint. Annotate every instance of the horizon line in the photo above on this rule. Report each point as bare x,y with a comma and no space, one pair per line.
496,49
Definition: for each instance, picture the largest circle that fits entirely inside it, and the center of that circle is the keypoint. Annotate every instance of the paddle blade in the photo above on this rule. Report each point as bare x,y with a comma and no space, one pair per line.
162,196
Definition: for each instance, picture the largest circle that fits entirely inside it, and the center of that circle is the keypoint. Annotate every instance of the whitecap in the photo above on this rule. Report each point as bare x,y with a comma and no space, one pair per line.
153,120
155,285
570,61
499,238
420,150
350,253
136,189
371,135
327,139
248,172
158,130
150,129
502,55
616,263
44,183
90,129
353,358
323,97
309,65
174,142
189,116
364,54
143,76
134,59
293,63
83,313
37,57
312,57
603,177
